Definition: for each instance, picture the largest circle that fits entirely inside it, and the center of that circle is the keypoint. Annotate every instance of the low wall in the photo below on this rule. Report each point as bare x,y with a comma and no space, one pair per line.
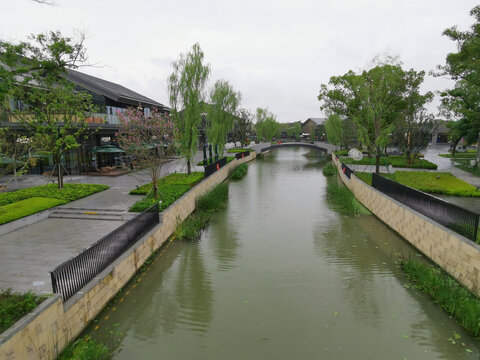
45,332
457,255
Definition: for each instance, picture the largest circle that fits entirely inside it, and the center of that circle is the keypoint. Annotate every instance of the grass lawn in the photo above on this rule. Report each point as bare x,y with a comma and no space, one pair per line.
170,188
17,204
434,183
26,207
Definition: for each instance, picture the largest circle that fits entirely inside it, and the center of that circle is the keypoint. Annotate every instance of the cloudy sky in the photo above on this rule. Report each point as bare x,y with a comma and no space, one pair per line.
275,52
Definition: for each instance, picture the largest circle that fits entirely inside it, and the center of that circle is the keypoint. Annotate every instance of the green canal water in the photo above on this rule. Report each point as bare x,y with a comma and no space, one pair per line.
280,275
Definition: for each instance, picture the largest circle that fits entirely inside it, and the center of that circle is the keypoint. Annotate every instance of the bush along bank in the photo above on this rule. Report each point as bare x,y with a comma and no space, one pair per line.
329,170
239,172
190,229
462,305
341,199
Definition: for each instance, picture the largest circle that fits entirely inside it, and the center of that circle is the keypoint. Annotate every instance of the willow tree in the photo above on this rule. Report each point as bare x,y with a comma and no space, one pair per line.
186,88
266,126
224,102
334,129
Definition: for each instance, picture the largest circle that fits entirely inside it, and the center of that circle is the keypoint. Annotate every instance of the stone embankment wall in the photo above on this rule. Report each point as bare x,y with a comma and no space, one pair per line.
457,255
45,332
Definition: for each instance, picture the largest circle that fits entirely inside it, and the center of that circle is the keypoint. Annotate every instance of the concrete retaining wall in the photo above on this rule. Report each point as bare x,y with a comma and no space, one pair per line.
457,255
45,332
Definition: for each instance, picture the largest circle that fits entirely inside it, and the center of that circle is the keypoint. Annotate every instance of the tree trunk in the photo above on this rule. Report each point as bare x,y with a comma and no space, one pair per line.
377,161
60,176
454,147
478,151
189,167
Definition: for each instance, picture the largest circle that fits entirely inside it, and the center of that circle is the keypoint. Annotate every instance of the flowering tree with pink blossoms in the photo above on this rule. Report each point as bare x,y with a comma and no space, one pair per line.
150,139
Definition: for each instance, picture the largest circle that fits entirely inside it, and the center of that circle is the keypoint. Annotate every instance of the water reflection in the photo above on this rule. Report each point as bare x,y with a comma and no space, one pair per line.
279,274
224,242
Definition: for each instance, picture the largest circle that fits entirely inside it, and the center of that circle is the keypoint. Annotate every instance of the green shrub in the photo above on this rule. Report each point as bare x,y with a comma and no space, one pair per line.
13,306
230,158
341,199
239,172
329,170
26,207
445,291
366,161
86,349
214,200
417,164
176,178
341,152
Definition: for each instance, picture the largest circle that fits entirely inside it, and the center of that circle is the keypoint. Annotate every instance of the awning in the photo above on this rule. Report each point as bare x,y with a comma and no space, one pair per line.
108,149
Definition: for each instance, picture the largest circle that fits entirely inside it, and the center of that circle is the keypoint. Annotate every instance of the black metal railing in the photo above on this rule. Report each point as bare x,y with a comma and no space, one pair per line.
346,170
217,165
454,217
241,155
69,277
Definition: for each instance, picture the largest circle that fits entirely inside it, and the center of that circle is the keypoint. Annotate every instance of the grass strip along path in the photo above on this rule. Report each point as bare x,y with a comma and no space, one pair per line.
17,204
394,160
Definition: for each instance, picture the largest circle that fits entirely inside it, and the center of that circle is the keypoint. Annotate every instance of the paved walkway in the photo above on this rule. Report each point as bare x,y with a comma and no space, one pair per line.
29,253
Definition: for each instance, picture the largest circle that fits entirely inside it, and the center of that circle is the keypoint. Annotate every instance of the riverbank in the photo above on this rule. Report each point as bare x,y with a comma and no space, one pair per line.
455,254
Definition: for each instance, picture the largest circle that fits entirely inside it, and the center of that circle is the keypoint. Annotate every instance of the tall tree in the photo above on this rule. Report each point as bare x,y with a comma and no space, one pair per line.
150,139
412,133
224,102
334,129
33,75
462,102
186,88
266,126
243,126
374,99
55,120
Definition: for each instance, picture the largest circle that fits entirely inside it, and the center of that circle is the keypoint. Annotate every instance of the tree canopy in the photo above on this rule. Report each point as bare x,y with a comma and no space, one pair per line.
186,88
375,100
222,111
462,102
266,126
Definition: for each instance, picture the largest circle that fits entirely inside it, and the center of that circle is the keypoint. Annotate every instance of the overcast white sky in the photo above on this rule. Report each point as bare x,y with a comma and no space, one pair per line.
275,52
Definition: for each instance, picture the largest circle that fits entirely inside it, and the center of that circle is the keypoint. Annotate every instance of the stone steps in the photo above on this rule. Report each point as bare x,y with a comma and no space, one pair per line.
91,214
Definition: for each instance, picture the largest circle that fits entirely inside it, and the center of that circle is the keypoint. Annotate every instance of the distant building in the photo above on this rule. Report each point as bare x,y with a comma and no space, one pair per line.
440,132
315,126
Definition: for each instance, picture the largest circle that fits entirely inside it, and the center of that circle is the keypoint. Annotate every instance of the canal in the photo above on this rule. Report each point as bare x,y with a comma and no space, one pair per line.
281,275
